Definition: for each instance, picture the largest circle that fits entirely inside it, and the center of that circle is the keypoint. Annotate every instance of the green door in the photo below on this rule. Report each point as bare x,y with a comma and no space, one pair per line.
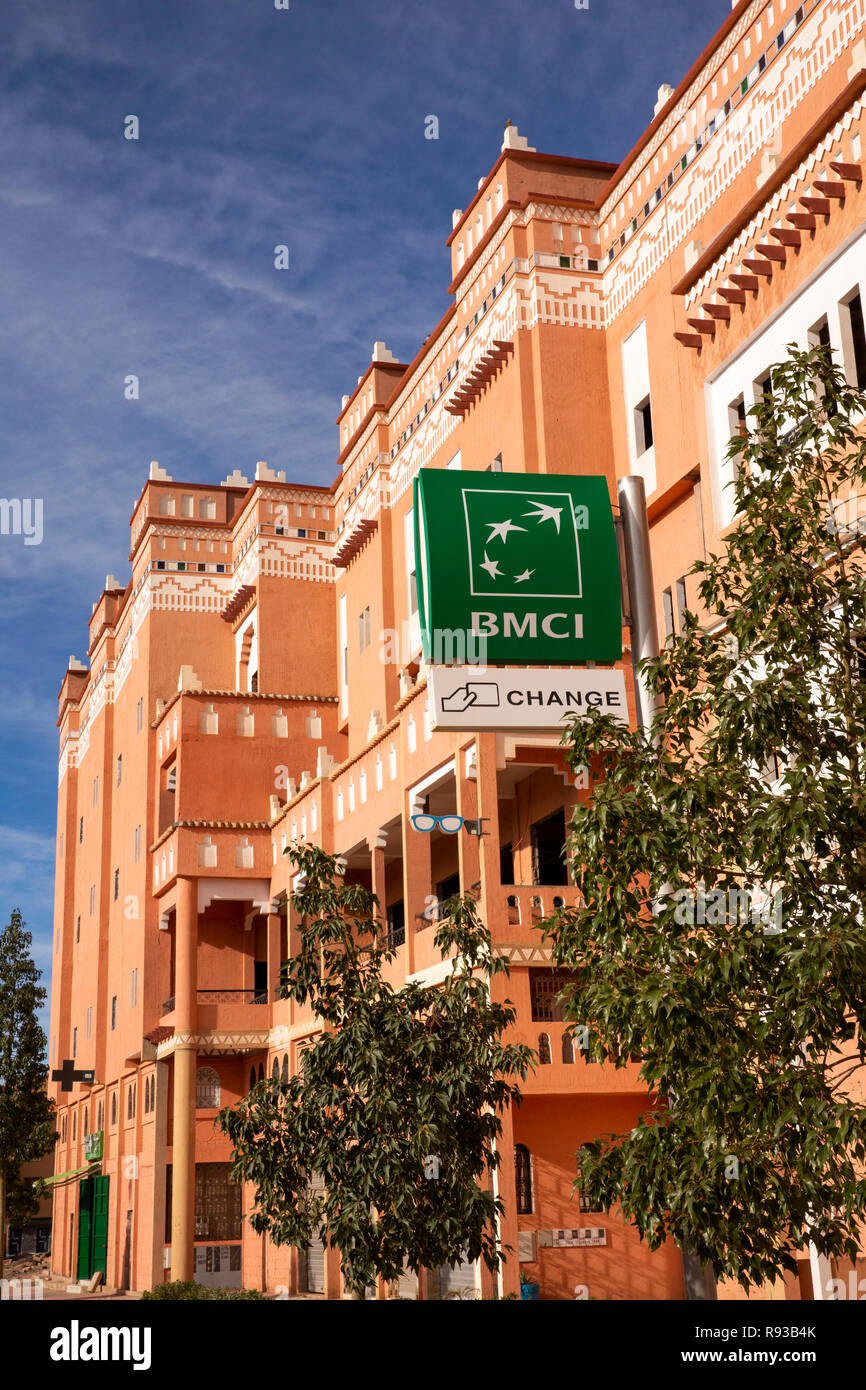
99,1226
92,1226
85,1225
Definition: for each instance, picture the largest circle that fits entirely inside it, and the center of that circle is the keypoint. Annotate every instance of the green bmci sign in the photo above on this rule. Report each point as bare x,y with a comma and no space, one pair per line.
515,567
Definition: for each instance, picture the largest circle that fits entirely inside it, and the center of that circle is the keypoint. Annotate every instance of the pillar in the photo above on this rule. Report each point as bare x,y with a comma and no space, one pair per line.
508,1193
468,847
185,1055
273,930
417,880
488,809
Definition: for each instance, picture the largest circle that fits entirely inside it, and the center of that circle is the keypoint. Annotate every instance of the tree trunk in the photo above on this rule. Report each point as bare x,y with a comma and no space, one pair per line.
2,1216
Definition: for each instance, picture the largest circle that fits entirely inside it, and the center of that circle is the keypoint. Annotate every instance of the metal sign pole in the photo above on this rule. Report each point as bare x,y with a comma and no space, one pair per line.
644,633
698,1279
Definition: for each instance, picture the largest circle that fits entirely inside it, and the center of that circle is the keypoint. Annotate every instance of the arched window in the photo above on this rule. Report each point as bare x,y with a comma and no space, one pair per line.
101,1114
252,1077
285,1072
567,1048
207,1089
261,1071
275,1069
74,1123
523,1179
544,1049
114,1107
129,1102
86,1118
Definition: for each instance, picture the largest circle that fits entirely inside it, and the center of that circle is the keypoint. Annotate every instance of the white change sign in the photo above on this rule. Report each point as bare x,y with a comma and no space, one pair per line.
475,697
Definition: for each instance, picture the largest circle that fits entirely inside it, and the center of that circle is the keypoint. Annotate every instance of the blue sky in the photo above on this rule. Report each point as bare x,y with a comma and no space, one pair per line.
258,127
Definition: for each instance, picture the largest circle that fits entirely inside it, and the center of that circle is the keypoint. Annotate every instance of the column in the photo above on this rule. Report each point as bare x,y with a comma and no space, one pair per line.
468,846
417,881
488,808
508,1193
377,877
273,930
185,1053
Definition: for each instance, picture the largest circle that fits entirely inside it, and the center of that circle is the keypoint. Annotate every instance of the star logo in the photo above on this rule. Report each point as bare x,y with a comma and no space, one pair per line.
545,513
501,529
530,559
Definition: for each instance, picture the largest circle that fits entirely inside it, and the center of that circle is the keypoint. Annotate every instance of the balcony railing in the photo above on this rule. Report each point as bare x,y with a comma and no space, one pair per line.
221,996
232,996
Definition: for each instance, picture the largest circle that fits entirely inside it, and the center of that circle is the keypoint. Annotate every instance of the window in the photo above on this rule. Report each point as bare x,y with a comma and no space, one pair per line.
75,1124
114,1011
217,1204
544,1049
643,427
114,1107
668,611
548,845
137,844
364,629
88,1021
737,416
506,864
119,767
78,929
74,1043
252,1077
207,1089
116,884
284,1073
101,1115
567,1049
94,793
92,898
585,1204
853,339
139,716
764,387
681,601
81,831
133,990
523,1179
396,915
545,985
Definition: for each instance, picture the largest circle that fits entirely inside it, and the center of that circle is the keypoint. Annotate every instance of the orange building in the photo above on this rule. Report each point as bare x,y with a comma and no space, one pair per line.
259,678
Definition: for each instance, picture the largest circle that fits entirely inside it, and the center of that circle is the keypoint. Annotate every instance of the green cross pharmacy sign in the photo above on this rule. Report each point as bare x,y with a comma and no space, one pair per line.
527,563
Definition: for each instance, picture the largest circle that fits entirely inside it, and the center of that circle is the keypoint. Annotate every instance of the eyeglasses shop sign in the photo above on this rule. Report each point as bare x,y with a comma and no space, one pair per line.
472,697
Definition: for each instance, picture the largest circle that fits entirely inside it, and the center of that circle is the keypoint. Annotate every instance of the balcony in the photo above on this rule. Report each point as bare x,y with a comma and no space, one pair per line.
226,1008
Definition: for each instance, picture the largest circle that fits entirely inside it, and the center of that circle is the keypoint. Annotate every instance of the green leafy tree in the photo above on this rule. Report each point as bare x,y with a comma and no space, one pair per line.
722,864
26,1113
396,1106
